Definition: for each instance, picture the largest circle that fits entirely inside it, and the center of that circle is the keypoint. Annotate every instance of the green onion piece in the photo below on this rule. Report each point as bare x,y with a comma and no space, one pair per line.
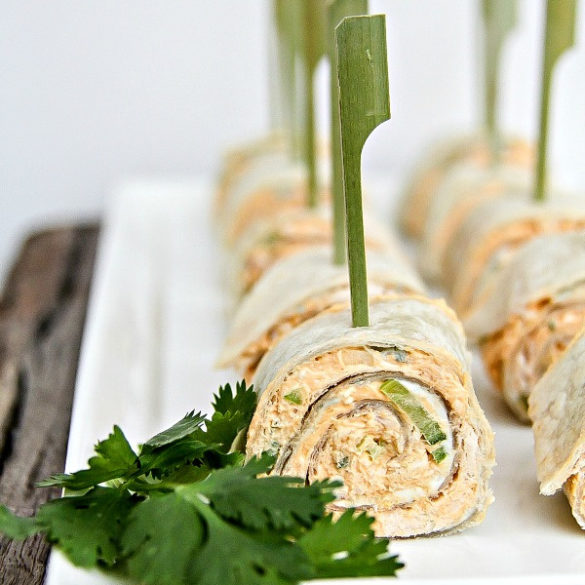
294,396
364,103
439,454
400,355
343,462
403,398
560,36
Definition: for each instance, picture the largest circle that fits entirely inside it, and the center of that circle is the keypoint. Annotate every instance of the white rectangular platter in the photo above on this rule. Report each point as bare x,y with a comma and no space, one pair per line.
155,324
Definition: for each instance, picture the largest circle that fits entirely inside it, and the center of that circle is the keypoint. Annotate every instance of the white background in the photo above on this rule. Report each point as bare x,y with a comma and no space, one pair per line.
95,90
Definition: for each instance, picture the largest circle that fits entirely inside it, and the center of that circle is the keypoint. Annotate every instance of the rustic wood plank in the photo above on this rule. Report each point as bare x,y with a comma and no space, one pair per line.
42,313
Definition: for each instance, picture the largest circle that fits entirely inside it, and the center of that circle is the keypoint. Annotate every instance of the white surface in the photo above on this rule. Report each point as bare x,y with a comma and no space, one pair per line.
93,90
154,328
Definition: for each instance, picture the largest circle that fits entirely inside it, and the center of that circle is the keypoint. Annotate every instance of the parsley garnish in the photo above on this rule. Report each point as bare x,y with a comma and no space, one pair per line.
184,509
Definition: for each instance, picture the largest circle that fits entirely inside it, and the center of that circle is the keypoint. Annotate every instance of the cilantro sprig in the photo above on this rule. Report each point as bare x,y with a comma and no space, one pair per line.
184,509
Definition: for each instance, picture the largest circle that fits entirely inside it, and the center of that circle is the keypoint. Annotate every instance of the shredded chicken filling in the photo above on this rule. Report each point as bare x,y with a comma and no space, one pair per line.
376,450
351,430
519,354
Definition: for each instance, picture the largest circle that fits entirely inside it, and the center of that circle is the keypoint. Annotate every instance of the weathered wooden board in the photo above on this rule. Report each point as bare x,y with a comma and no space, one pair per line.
42,313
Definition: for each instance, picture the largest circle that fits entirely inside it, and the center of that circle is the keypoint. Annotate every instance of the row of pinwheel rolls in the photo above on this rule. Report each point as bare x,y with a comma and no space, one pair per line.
515,270
389,408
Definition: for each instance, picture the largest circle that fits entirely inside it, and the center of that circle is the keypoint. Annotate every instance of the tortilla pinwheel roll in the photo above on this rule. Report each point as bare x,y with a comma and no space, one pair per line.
287,233
557,409
389,409
465,187
267,191
260,196
299,287
253,158
530,313
490,237
425,183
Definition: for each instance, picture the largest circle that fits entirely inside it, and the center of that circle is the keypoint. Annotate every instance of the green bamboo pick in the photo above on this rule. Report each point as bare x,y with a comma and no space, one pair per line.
314,48
290,18
364,103
275,66
337,10
559,36
286,68
499,17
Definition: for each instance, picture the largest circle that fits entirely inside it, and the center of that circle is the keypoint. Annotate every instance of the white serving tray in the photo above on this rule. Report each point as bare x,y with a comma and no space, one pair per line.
155,324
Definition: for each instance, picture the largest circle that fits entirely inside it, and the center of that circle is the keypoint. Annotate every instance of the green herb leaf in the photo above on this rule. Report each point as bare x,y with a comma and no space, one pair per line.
348,548
164,534
268,503
15,527
88,528
244,399
402,397
167,459
115,458
234,556
186,426
233,413
172,519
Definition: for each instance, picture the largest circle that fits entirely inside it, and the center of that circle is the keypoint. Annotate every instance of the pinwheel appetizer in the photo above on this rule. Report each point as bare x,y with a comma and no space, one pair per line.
388,408
530,313
298,288
262,197
491,235
464,187
286,233
253,158
557,409
424,185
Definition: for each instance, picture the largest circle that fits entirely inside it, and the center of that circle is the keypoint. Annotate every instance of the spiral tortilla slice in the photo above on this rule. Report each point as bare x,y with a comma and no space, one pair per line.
464,187
388,408
264,153
286,233
298,288
491,235
424,185
267,192
530,312
557,409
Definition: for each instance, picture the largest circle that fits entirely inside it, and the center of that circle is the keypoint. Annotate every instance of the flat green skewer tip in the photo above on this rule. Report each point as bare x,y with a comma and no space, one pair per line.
499,17
559,36
364,103
314,49
337,10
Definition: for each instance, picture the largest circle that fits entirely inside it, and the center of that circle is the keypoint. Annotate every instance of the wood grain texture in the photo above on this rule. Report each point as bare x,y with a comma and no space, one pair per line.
42,313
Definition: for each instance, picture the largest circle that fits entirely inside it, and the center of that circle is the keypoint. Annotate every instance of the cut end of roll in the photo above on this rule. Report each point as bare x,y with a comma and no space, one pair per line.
392,416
